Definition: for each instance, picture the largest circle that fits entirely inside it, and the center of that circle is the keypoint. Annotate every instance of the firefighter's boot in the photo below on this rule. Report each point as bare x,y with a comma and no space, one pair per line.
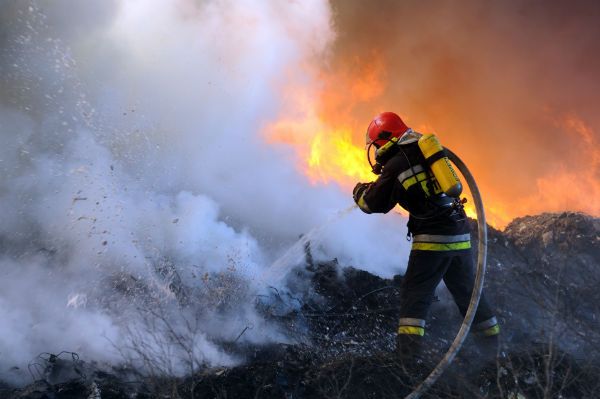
487,339
488,347
408,346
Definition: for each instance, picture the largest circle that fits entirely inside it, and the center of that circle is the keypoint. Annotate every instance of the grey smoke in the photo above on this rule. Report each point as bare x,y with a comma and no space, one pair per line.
131,137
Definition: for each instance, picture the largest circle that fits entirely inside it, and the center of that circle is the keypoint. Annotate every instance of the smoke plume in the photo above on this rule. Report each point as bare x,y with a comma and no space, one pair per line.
135,170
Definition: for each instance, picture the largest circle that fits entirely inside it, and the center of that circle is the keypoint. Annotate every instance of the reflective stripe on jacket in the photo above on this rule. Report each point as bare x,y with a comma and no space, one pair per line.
405,181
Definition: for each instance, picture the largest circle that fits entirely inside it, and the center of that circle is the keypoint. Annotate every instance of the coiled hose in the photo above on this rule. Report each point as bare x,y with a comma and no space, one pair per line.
477,287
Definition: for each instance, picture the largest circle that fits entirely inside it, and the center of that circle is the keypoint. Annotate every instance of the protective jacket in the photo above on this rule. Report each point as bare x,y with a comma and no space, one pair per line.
406,180
441,247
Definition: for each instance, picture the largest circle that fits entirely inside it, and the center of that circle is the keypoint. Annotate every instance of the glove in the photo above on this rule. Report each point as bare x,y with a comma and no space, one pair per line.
359,190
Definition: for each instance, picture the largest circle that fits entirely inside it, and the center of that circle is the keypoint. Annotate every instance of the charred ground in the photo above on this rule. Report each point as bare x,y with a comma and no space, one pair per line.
543,277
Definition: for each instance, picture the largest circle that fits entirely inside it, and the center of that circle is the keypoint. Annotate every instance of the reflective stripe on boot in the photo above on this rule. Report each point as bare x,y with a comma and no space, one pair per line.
488,328
411,326
411,330
492,331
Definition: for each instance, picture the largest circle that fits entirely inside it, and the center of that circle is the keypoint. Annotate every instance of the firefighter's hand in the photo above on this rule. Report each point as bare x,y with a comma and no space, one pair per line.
359,190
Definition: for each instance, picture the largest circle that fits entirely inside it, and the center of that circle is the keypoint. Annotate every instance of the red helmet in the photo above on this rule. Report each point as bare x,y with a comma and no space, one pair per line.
385,126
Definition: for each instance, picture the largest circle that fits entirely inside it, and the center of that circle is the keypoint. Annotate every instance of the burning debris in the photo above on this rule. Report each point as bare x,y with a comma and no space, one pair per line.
342,328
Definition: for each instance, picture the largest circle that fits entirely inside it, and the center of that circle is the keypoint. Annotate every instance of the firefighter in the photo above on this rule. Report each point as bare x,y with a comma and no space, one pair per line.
437,225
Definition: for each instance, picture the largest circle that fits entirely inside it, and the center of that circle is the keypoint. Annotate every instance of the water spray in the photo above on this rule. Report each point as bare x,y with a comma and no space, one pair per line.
280,266
477,287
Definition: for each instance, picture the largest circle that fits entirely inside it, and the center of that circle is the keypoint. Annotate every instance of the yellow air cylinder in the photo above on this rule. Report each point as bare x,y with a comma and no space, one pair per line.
440,165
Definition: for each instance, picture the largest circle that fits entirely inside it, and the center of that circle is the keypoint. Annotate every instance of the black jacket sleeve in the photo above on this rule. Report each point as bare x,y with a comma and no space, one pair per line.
382,195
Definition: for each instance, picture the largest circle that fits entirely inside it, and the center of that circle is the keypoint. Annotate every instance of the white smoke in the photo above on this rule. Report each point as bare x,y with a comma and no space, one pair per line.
132,137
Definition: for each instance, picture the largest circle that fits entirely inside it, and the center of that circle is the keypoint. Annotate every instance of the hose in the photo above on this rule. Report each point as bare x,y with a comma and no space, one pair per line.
477,287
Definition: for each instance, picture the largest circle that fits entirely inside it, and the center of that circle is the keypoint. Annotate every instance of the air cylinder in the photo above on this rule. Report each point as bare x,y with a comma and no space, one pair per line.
440,165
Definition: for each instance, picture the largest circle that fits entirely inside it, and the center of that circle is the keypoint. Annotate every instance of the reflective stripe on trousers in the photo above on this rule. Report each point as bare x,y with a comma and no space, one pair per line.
434,242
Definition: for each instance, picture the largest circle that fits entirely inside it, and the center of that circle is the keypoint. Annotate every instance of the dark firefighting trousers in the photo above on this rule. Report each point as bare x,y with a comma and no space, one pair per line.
425,270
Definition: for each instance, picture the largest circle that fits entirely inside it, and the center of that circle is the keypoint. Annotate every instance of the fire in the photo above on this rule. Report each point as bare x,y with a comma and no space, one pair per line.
570,186
322,128
334,157
336,154
328,155
325,126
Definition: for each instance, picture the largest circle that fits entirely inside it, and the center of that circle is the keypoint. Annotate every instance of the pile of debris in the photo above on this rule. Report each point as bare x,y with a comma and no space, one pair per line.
543,274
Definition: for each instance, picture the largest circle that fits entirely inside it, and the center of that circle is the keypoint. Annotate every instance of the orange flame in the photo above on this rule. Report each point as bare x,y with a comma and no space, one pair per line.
327,133
570,186
328,155
329,148
332,154
333,157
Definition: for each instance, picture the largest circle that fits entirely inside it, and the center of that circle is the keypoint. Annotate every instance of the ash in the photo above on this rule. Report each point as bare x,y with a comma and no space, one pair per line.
543,274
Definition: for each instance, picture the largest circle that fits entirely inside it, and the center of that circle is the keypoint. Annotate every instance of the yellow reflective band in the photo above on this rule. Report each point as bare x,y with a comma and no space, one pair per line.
411,330
425,181
363,205
419,177
495,330
437,246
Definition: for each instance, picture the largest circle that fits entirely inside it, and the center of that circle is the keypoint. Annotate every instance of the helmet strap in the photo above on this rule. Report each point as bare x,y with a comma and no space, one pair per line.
375,167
